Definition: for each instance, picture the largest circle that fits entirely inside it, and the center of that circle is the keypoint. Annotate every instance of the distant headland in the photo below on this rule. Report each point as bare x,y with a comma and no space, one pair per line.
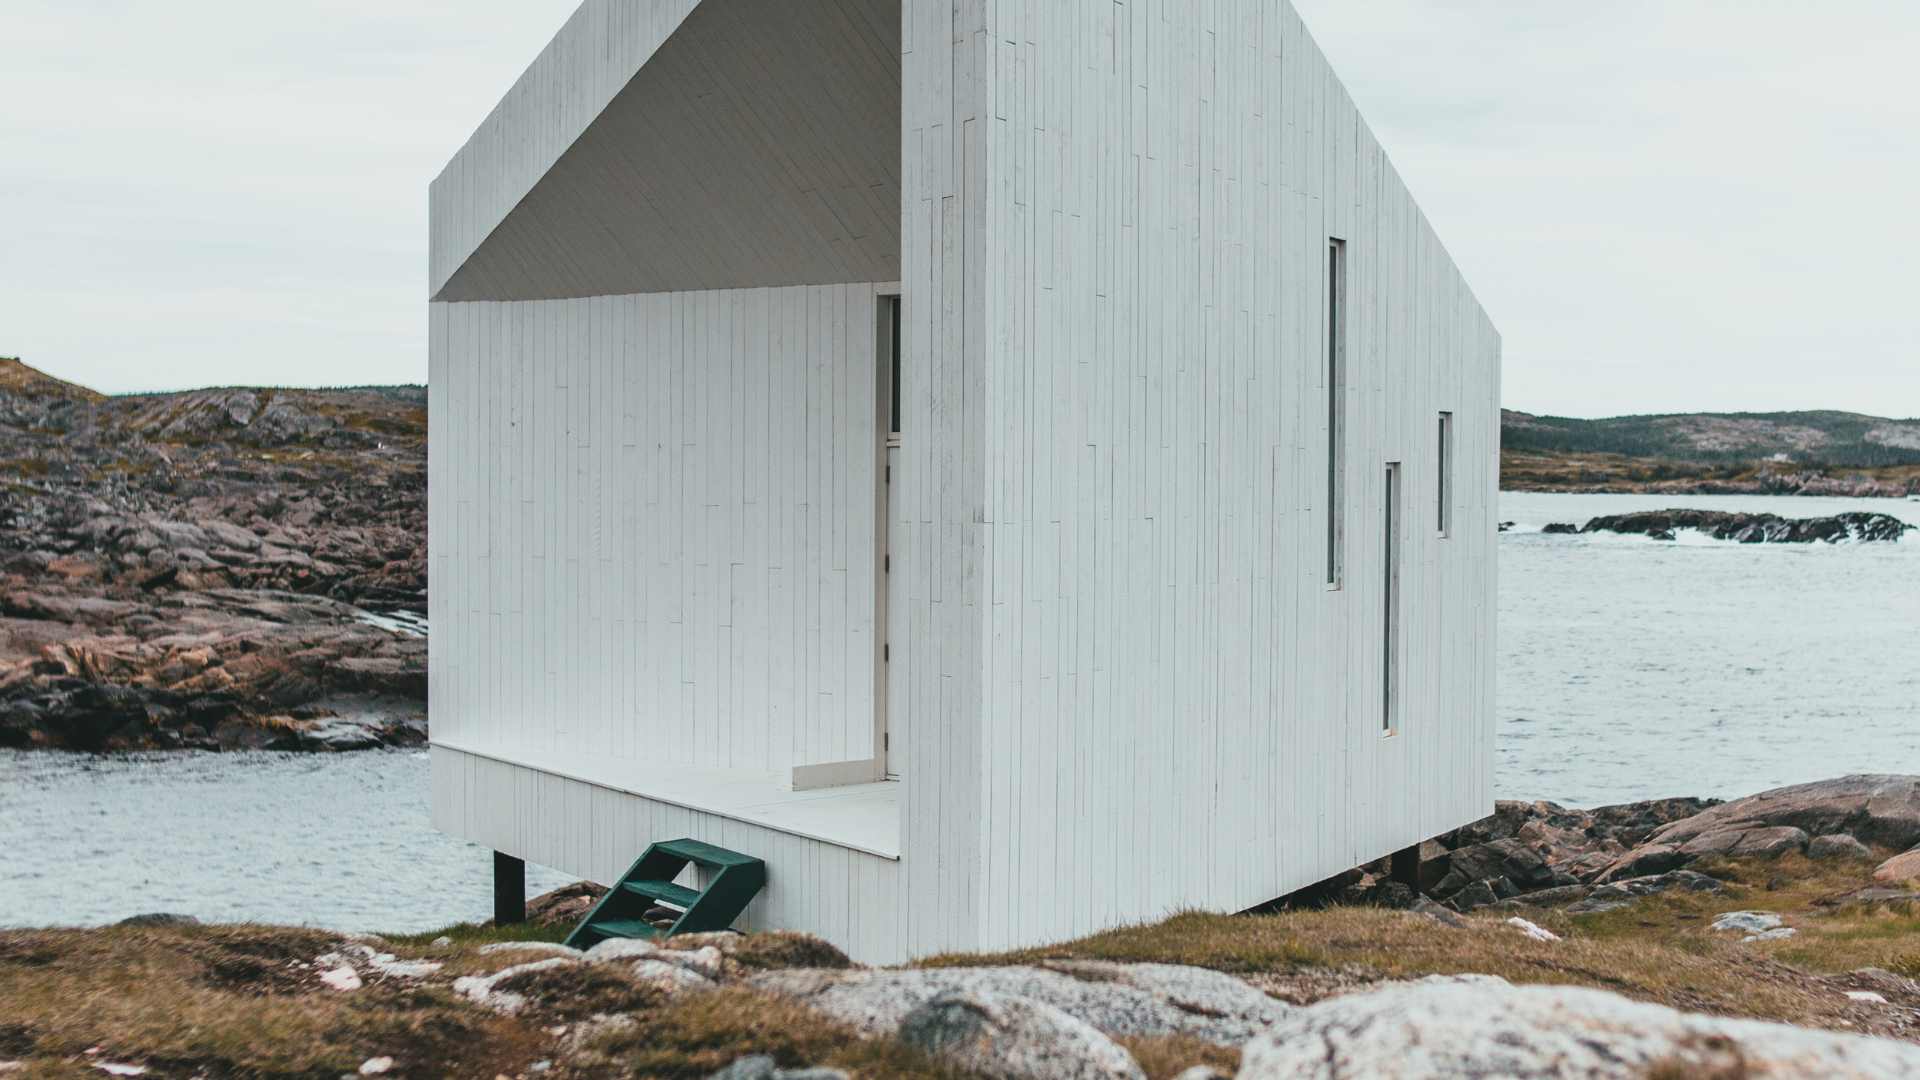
1782,453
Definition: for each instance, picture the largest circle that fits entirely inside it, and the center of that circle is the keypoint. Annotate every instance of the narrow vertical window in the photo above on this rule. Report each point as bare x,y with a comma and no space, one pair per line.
893,375
1443,484
1336,403
1390,621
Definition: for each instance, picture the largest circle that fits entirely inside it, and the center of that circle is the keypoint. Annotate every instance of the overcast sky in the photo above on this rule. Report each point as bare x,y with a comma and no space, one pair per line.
1672,205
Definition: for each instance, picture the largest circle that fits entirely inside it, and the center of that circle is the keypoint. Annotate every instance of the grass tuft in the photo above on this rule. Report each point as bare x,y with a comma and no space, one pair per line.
777,950
1167,1057
472,935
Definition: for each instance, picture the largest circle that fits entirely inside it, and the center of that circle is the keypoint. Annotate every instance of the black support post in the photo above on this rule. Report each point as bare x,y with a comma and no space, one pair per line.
509,890
1405,867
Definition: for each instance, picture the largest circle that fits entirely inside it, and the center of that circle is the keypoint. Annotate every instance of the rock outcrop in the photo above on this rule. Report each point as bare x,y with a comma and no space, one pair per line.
1900,869
1137,1000
1541,854
1882,811
216,569
1014,1038
1483,1027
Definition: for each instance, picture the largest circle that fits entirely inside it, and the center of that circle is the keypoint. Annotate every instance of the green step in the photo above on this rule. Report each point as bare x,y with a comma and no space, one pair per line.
627,928
733,881
677,895
705,854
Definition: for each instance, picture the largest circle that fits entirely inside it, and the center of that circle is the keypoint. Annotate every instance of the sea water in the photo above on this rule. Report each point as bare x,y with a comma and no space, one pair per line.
1629,668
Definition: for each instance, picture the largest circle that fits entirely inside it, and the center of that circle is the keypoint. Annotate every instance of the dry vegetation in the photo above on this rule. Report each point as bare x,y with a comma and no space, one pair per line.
1538,470
1659,949
247,1001
224,1001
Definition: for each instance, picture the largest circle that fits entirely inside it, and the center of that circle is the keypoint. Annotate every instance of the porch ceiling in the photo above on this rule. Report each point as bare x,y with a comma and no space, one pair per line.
758,146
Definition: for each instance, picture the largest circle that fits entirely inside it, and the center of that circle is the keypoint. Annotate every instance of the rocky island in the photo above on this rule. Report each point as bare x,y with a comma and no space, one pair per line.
212,569
1740,527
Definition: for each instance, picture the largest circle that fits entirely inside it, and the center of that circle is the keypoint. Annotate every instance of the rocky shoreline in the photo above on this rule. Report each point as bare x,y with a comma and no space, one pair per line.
1769,936
220,569
1542,854
1764,936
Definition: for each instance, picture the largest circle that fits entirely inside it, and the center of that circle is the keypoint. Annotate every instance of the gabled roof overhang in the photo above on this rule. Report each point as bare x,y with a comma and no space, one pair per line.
670,145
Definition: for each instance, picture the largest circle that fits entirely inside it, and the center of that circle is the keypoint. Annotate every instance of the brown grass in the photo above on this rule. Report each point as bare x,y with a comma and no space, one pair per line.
1658,950
246,1000
34,467
228,1001
1533,470
1169,1056
18,378
776,951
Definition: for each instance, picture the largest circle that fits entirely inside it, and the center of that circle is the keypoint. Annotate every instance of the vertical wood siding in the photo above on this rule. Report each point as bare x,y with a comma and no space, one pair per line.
1178,711
652,525
937,609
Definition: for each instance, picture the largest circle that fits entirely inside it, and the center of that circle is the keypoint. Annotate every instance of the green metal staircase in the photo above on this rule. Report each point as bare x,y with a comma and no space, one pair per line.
648,884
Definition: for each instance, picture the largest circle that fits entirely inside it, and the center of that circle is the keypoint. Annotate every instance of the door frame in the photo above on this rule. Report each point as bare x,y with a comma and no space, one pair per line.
889,331
889,323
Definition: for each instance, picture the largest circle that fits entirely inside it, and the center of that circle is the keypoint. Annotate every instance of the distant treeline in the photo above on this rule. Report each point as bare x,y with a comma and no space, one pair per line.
1818,437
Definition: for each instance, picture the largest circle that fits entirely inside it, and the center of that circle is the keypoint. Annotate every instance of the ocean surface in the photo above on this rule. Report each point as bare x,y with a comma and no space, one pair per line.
1629,668
1633,668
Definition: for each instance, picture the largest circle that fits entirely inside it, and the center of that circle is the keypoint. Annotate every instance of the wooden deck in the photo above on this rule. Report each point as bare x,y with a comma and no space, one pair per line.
860,817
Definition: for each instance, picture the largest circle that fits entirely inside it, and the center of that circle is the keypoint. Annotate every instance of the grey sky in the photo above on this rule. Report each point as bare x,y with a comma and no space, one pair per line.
1689,204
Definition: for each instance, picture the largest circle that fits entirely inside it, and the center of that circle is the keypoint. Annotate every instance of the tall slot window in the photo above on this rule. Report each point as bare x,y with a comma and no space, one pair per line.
1443,484
893,371
1390,621
1336,404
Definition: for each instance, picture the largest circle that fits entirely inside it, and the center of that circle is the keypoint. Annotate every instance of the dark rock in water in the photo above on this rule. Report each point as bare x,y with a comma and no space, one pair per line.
564,906
159,918
1506,526
1754,528
1560,528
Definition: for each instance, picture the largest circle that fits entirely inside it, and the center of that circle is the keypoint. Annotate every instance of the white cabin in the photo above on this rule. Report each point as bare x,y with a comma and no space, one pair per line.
1017,468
